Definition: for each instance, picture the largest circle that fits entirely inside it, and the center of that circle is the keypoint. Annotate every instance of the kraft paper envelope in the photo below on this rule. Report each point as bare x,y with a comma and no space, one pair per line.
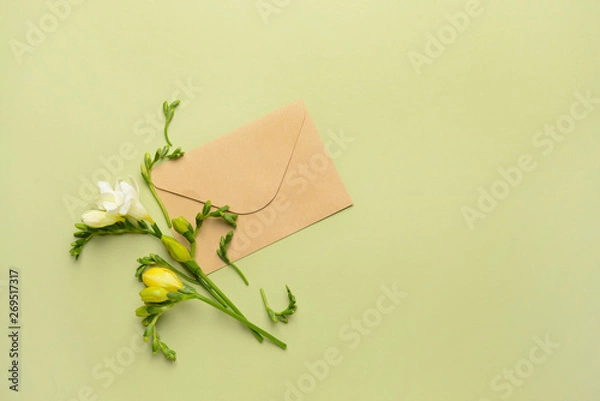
274,172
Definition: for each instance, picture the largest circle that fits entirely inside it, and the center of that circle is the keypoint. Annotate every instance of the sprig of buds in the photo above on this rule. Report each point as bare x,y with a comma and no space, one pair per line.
222,253
160,155
282,316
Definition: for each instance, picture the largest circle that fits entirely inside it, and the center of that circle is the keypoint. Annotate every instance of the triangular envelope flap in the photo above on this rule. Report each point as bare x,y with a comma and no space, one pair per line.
243,169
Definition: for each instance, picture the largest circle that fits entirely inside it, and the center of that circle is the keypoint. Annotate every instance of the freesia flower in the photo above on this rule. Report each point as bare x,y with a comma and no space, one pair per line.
154,295
161,277
115,205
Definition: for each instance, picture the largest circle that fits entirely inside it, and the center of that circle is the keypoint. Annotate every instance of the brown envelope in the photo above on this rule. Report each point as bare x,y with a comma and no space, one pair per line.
273,172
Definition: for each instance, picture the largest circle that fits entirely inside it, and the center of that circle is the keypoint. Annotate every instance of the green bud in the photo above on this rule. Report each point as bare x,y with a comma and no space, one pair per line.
187,290
165,108
231,219
147,320
82,234
176,250
148,332
142,311
206,208
156,309
145,174
175,103
181,225
167,352
175,296
139,271
155,344
154,295
79,242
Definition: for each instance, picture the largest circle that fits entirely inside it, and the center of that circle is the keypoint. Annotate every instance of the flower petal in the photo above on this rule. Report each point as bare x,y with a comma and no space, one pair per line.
104,187
99,218
137,211
106,201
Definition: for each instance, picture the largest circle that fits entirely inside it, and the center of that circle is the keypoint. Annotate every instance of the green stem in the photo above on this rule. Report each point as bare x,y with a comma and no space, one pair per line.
264,298
237,269
162,206
207,287
182,274
194,268
243,320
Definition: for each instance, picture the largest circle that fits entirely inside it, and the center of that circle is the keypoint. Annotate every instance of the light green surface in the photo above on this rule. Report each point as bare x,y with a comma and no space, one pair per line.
421,146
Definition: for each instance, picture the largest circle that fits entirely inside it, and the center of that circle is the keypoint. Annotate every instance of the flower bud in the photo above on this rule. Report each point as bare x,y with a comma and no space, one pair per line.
181,225
161,277
176,250
142,312
154,295
99,218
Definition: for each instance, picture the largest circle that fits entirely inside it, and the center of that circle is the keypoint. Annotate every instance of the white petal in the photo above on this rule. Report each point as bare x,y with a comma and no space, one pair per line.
125,206
137,211
106,201
129,191
98,218
104,187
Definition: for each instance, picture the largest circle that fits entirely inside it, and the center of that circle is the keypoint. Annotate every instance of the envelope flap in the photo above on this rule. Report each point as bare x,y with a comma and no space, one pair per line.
243,169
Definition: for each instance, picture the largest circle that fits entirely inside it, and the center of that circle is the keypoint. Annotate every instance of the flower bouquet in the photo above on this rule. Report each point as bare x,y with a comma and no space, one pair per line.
168,283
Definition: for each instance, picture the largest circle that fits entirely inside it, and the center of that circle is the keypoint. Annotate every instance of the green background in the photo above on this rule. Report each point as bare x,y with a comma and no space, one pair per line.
422,143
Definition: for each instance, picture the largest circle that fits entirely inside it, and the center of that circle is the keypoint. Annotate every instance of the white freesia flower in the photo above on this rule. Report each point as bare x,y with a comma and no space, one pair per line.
115,205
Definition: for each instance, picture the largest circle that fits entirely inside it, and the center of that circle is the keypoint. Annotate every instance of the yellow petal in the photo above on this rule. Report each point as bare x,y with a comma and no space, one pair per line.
161,277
